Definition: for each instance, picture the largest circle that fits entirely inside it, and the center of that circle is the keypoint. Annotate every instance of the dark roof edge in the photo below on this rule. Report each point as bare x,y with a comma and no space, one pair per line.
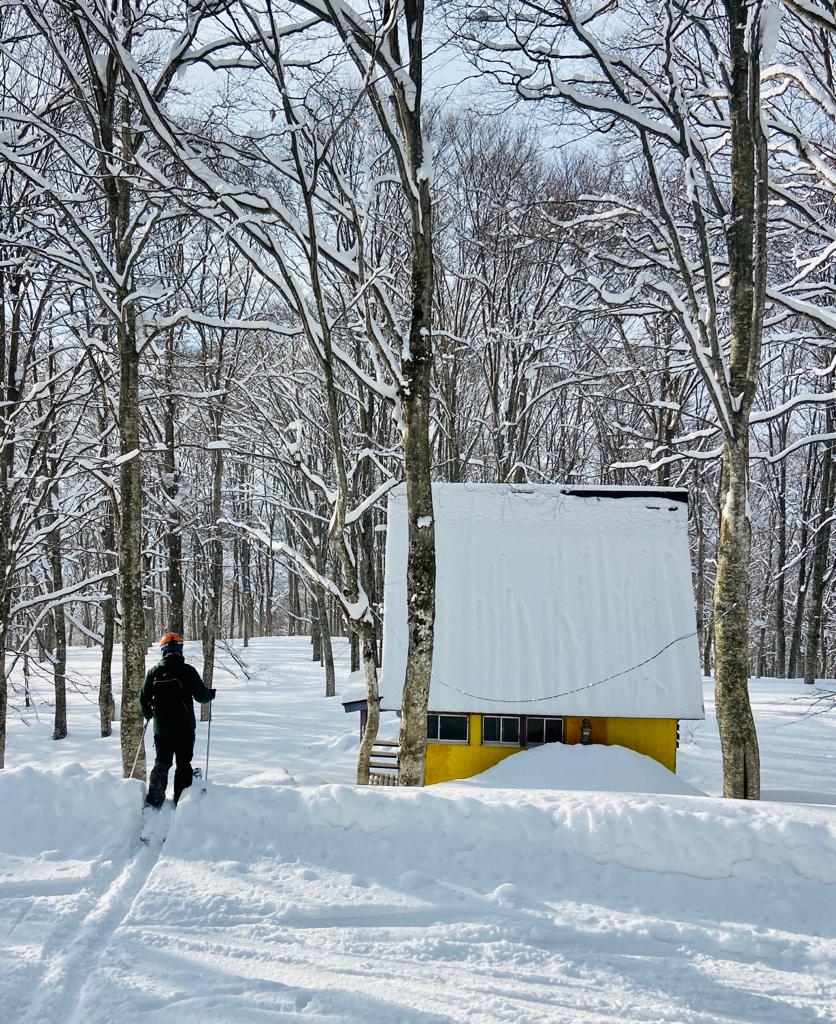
593,491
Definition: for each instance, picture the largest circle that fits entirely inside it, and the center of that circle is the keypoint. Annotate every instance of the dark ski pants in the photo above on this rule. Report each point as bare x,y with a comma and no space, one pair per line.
181,748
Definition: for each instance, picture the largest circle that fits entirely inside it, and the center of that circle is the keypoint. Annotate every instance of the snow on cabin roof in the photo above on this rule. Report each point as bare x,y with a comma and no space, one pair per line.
545,589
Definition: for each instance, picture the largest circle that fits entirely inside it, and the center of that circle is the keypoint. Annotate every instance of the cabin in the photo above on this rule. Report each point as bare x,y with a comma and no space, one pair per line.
564,614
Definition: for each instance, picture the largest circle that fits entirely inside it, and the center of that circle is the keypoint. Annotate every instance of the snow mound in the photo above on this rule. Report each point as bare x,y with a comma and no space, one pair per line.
66,812
594,768
271,777
332,825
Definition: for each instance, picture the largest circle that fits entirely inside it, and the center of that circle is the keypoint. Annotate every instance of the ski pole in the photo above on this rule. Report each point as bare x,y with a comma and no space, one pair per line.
208,740
138,748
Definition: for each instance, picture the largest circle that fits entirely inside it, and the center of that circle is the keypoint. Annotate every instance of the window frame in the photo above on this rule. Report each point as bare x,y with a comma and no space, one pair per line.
448,714
544,719
501,742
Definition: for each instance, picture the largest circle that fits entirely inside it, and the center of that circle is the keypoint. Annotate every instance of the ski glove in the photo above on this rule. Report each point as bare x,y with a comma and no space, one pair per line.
212,692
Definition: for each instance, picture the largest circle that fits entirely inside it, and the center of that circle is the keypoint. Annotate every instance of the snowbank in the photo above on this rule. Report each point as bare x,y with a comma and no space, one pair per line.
576,767
435,832
66,812
69,869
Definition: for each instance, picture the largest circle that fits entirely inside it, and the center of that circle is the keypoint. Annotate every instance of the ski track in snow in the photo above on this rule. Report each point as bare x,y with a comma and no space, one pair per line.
80,940
273,901
92,947
59,993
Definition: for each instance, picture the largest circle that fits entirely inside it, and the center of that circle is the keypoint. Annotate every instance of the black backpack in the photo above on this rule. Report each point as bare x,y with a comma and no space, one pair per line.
172,701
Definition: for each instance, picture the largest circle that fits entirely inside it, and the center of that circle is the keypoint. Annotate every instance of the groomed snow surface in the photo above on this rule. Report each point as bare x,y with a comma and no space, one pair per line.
285,894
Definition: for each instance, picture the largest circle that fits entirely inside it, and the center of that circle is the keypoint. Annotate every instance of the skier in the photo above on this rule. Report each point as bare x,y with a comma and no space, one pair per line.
167,695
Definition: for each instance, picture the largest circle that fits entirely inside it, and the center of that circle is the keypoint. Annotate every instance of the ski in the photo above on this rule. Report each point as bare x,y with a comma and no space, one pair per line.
155,823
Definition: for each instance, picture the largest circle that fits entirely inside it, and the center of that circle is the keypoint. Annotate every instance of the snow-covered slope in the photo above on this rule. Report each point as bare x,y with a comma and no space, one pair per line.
332,903
485,901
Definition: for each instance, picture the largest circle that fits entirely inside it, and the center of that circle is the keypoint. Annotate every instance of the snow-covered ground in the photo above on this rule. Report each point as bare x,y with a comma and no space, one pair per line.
284,893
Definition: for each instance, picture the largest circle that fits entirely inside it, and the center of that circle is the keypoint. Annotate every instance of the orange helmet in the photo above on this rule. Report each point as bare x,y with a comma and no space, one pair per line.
171,639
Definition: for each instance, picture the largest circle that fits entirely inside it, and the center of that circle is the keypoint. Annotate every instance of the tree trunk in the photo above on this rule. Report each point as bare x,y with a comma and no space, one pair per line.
292,603
316,635
747,253
417,368
3,682
325,643
151,635
134,640
246,593
106,704
216,578
269,584
708,647
171,487
760,664
420,585
367,634
699,581
798,614
818,570
235,588
59,624
10,383
741,759
804,516
780,584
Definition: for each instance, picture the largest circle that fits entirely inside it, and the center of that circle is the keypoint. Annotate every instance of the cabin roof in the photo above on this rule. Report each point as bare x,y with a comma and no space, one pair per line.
552,600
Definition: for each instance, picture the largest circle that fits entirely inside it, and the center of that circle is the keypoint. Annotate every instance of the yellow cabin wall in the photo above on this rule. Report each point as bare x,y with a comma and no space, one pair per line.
654,737
446,761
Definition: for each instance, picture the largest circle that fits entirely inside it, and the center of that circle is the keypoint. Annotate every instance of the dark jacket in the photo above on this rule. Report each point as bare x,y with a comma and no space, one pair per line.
167,694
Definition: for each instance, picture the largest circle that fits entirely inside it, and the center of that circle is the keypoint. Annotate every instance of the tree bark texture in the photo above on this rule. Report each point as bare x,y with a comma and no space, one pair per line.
800,600
59,617
10,395
216,578
741,758
325,643
821,557
417,367
780,667
746,246
316,634
59,626
366,634
171,487
106,704
134,641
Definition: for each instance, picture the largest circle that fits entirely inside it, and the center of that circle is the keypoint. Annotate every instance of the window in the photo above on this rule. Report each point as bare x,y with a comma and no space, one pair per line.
499,729
543,730
447,728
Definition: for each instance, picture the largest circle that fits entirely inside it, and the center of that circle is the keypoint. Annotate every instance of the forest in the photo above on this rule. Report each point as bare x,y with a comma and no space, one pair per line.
262,261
